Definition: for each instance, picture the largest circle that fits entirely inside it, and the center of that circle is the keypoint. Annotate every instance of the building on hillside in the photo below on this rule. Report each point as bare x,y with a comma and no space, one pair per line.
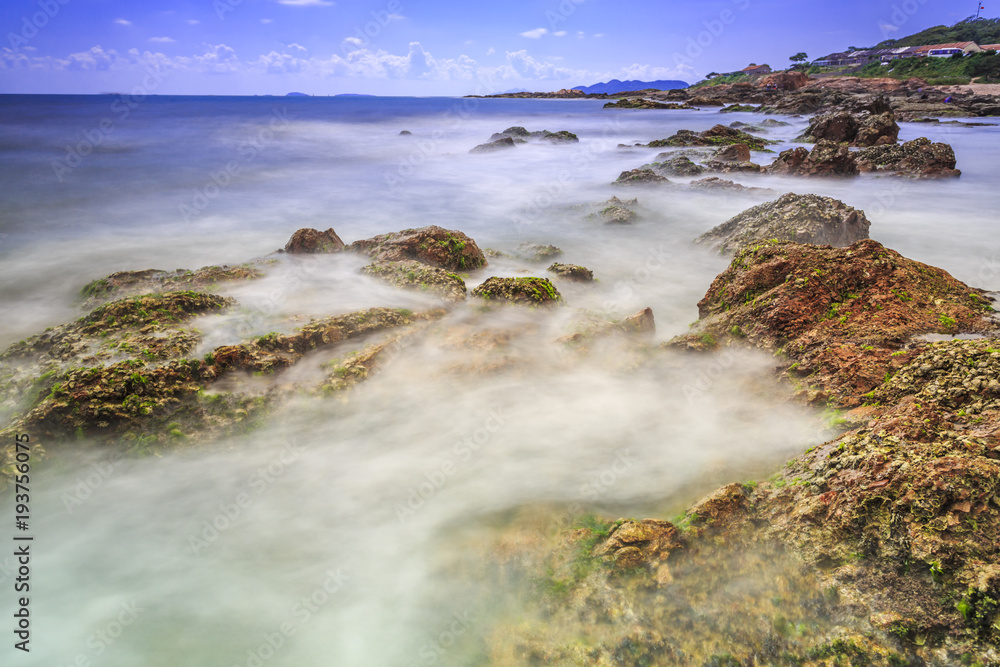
831,60
948,50
990,47
756,70
888,55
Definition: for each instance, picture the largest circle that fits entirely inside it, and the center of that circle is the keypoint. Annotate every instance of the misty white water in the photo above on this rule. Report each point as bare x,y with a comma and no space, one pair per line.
327,536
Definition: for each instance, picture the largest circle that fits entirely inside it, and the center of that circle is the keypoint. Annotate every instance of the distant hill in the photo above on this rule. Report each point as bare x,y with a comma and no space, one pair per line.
296,95
515,90
616,86
983,31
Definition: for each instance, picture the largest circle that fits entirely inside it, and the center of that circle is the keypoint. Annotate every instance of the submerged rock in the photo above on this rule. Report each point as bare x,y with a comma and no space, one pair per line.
825,159
640,177
715,183
640,103
642,322
678,166
494,146
616,211
410,274
308,241
535,252
719,135
525,291
800,218
572,272
436,246
918,158
124,283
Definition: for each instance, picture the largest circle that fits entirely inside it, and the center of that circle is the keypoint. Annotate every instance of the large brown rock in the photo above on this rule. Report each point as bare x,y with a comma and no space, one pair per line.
826,159
734,153
311,241
918,158
840,313
436,246
800,218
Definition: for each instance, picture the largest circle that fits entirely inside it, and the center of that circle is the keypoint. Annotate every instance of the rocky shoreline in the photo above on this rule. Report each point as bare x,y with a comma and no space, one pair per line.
878,547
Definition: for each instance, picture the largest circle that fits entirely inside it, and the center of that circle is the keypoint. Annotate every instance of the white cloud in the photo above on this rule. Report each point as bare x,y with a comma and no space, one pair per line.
194,21
359,60
266,21
355,41
561,33
580,34
888,27
536,33
297,47
491,51
654,73
124,22
306,3
599,34
162,40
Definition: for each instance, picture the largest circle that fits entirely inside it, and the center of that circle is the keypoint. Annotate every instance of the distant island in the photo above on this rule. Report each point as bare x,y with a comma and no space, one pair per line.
596,91
297,95
615,86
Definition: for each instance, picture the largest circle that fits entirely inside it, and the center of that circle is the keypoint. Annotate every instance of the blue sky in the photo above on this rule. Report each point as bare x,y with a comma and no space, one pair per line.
423,47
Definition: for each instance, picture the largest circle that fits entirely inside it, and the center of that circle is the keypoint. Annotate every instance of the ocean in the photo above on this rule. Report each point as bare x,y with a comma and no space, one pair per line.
346,532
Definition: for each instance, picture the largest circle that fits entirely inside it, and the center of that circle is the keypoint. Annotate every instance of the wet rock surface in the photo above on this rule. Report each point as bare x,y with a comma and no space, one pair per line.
413,275
718,135
919,158
309,241
572,272
523,291
436,246
800,218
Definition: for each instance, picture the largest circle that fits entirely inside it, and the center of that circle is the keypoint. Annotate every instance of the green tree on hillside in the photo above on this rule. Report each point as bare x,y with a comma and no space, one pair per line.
799,57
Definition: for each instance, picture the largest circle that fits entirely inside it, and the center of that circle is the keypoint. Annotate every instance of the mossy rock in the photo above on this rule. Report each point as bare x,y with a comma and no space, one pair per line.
526,291
572,272
413,275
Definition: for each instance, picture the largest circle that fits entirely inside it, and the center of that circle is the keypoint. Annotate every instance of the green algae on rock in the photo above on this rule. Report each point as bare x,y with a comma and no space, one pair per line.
124,283
526,291
718,135
536,252
838,313
413,275
436,246
572,272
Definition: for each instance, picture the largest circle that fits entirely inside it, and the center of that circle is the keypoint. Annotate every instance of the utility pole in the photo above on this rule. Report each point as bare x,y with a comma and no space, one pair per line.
979,9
